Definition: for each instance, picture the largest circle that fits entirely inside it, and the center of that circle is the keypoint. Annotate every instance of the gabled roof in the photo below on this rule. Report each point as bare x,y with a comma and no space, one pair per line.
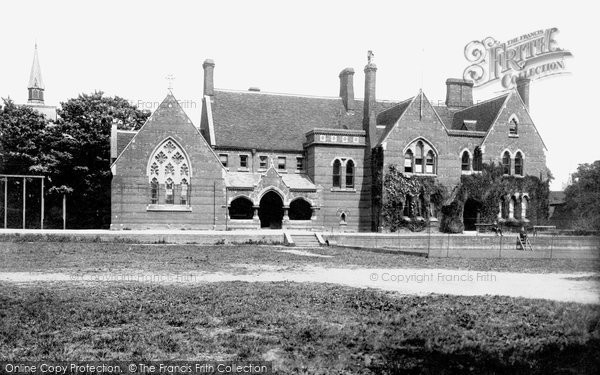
169,110
390,117
479,117
269,121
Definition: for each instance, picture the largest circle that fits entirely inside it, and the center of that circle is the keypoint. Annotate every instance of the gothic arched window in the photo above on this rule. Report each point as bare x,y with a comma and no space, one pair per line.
477,159
337,180
430,162
465,161
419,150
506,163
169,166
349,174
519,164
408,161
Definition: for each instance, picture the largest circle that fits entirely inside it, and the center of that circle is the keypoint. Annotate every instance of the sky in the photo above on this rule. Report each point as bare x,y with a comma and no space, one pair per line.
128,48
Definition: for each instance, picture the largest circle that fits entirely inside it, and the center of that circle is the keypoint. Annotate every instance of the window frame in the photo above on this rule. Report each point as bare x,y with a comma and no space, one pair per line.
279,165
336,180
226,158
349,174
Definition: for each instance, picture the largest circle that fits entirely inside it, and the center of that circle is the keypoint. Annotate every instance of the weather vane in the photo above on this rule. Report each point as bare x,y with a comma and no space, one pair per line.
170,78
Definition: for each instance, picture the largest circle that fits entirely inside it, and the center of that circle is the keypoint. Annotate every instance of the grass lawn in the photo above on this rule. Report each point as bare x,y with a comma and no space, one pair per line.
79,256
314,328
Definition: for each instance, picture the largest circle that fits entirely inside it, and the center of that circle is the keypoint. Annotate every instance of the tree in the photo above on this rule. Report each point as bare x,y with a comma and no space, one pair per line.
23,131
79,154
582,197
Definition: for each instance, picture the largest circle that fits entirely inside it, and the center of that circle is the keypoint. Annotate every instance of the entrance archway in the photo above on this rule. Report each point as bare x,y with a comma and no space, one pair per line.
241,208
300,210
270,211
471,214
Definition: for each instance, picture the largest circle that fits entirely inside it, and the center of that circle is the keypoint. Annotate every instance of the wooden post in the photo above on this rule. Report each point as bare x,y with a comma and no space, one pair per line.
64,211
42,207
24,200
5,200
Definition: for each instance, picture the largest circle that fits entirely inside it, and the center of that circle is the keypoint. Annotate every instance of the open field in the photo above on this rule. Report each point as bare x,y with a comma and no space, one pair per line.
314,326
83,257
302,328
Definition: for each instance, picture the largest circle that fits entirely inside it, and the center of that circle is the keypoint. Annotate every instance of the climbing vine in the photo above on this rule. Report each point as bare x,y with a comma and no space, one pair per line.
400,190
487,188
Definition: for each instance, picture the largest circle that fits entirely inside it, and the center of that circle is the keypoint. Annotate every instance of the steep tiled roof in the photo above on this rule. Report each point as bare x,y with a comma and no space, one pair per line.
389,117
483,113
247,119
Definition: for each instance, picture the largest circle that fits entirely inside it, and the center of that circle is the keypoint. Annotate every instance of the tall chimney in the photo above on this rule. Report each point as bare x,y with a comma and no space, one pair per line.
369,120
459,93
347,88
209,86
523,90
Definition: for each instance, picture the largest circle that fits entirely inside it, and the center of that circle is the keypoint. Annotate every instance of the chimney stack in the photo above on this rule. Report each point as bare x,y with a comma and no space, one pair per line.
369,120
523,90
209,86
347,88
459,93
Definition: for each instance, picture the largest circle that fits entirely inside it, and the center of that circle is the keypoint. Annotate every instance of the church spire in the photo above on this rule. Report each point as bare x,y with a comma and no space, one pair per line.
36,84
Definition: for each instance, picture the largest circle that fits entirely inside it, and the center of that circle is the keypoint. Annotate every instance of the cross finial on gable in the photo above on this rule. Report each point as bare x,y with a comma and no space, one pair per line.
170,78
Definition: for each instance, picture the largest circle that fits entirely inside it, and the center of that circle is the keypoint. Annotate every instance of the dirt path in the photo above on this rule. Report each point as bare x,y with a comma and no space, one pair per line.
582,288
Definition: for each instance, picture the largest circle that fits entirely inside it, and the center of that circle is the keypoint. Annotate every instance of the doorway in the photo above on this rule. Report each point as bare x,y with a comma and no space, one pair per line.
270,211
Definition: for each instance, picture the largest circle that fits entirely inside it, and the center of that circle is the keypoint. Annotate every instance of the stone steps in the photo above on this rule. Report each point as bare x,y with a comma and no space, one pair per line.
305,240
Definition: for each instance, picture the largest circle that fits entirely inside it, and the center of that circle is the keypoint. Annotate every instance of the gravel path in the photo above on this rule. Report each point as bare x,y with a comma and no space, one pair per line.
581,287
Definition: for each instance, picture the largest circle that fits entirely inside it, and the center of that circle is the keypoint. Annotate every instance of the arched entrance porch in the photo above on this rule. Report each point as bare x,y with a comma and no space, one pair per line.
270,211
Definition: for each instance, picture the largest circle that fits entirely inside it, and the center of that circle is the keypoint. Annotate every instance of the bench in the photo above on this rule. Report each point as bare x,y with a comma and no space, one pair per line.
541,228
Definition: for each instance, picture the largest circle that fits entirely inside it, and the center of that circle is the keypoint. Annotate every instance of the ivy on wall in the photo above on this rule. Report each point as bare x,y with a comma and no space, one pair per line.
419,192
487,188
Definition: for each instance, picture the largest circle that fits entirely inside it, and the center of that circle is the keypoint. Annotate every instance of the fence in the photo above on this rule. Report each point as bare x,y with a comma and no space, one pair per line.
545,246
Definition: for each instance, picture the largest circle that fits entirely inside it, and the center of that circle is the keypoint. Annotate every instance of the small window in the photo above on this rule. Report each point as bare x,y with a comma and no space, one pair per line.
513,127
519,164
337,166
184,193
506,163
243,161
430,162
299,163
224,158
169,192
408,161
465,161
350,174
281,162
419,158
154,191
263,162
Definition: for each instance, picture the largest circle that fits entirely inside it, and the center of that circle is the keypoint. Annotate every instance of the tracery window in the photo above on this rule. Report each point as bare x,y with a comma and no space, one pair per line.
420,158
169,169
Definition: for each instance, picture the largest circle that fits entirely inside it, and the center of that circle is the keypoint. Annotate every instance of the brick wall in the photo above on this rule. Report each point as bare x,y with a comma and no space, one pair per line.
130,188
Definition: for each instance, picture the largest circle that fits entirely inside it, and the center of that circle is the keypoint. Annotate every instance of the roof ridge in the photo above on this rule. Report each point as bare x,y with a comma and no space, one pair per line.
483,102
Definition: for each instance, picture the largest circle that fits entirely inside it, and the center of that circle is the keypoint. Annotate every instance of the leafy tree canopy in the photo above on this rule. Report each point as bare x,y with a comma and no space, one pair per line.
582,197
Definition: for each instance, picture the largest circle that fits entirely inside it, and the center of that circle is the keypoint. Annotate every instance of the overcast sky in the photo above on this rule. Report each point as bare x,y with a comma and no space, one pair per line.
127,48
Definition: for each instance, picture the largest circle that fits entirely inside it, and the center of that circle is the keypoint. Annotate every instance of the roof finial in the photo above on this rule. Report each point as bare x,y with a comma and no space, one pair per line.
370,57
170,78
